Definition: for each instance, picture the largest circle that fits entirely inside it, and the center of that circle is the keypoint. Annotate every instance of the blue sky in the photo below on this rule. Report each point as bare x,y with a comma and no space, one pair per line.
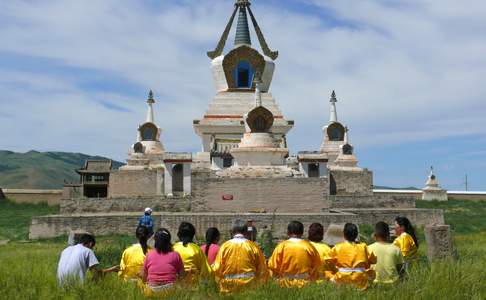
409,76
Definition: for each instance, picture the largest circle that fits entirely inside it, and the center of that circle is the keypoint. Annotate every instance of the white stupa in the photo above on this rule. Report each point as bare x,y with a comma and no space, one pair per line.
432,190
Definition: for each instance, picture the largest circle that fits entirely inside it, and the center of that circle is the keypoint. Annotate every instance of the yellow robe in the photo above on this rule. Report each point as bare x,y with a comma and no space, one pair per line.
132,262
353,261
407,245
239,263
326,270
294,263
195,262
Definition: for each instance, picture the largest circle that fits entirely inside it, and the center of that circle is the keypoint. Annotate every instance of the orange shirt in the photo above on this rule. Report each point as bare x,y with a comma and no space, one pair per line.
353,261
239,263
294,262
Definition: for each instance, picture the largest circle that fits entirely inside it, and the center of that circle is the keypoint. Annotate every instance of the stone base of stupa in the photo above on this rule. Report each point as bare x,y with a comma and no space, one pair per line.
431,194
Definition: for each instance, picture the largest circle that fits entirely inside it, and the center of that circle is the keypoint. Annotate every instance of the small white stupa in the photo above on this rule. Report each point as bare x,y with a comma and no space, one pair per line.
432,190
147,151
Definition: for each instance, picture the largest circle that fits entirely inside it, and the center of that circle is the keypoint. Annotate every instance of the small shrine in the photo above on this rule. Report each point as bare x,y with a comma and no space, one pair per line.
432,190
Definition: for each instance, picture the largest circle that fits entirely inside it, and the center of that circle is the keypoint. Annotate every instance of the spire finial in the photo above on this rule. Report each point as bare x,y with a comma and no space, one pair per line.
150,98
333,96
242,36
333,113
150,111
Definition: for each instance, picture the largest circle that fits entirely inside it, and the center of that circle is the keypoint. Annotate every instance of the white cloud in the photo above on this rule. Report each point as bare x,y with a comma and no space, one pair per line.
404,71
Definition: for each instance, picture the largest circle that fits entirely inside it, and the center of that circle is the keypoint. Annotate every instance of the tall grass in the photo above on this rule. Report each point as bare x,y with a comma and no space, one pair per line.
27,271
15,218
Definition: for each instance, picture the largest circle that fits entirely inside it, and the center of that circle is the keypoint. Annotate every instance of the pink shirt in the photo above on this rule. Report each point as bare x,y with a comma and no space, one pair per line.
162,268
213,251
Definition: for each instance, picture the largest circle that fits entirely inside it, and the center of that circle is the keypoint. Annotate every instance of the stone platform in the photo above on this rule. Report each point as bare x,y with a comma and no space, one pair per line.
126,222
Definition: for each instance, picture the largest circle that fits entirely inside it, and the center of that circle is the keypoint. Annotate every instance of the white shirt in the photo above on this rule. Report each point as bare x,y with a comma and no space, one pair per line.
74,262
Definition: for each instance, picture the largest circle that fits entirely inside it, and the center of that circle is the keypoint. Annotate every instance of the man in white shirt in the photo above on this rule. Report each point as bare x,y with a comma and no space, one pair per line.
76,260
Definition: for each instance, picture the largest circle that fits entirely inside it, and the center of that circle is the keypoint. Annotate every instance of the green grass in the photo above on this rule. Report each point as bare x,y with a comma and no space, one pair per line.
15,218
27,270
463,216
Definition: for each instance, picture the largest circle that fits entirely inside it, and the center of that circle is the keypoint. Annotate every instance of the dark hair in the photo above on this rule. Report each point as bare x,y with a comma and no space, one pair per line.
162,241
212,237
350,232
186,233
405,223
142,235
87,238
382,230
239,226
316,232
295,227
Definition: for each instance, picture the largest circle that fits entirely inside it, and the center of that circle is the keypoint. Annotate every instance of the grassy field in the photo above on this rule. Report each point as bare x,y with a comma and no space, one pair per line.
27,270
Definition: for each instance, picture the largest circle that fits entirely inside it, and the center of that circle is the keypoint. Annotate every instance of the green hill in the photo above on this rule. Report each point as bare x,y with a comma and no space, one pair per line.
41,170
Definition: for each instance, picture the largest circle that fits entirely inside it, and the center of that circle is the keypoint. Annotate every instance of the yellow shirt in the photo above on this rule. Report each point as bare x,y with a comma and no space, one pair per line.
294,262
239,263
195,261
132,262
388,257
353,261
323,250
407,245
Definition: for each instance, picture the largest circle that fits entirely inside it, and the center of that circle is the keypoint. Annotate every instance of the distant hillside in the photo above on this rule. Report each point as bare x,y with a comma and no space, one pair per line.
41,170
379,187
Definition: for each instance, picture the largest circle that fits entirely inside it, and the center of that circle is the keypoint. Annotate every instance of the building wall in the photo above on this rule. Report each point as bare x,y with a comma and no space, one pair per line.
377,200
127,204
125,223
353,183
51,197
132,183
260,194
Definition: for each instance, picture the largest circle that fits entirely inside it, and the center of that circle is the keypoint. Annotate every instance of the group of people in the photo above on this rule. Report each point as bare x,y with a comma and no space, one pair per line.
239,262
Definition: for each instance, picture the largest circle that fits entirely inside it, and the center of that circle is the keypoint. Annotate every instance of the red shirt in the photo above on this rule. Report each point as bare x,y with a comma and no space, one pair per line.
162,268
213,251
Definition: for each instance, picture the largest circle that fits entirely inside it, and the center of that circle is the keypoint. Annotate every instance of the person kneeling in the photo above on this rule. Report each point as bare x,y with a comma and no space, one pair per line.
76,260
240,262
295,262
352,260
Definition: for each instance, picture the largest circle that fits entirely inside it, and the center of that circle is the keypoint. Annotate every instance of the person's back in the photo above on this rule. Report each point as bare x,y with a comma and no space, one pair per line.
74,262
239,262
133,257
294,262
352,259
388,257
212,252
195,261
162,268
211,247
162,265
315,236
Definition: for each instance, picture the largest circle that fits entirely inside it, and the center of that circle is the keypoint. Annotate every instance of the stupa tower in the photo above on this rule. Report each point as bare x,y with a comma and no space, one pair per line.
222,125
